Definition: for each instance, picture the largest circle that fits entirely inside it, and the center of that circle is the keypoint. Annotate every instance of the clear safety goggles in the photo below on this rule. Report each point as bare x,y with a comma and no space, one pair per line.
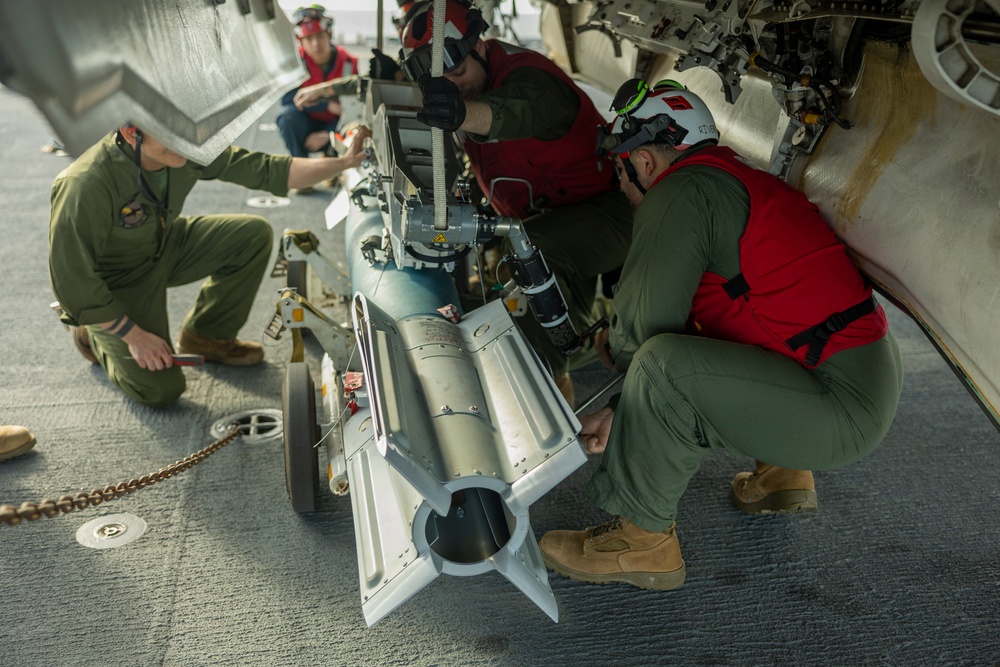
313,13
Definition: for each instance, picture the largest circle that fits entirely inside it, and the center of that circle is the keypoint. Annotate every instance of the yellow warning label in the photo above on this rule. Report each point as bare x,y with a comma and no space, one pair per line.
440,239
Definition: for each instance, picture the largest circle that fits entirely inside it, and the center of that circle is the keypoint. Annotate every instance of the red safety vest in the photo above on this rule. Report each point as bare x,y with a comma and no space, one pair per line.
562,171
798,293
344,64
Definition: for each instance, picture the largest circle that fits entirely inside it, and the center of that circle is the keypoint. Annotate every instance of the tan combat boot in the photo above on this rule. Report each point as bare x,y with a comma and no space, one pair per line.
82,341
773,489
14,441
231,352
617,550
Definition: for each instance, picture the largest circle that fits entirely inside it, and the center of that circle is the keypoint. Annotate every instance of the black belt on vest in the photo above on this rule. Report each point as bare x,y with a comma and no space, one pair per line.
818,335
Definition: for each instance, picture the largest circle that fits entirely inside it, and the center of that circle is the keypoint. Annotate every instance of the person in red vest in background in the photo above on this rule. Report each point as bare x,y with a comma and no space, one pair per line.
528,130
307,130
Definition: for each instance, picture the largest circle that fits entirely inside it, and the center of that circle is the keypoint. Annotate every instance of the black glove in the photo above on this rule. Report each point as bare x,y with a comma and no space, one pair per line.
381,66
443,105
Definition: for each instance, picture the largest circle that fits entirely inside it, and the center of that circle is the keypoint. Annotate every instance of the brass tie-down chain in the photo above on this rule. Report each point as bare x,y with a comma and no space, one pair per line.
28,511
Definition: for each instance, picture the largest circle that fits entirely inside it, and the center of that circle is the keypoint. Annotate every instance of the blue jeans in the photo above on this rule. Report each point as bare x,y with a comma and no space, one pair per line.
295,125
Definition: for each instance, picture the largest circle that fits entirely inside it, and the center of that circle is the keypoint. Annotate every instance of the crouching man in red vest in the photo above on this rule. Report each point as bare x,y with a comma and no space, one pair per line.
528,131
741,323
306,129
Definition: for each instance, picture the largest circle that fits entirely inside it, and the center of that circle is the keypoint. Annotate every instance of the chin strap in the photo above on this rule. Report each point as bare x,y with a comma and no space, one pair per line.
633,177
144,188
486,66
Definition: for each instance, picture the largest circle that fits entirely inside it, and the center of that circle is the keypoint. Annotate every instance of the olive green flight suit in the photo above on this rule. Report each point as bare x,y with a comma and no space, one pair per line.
685,395
114,252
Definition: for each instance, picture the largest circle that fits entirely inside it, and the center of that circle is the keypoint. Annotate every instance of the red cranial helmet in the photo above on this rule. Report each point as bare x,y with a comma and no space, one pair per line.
311,20
463,26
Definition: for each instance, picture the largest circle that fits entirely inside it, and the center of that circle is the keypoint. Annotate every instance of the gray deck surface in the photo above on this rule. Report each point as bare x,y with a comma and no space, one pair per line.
898,567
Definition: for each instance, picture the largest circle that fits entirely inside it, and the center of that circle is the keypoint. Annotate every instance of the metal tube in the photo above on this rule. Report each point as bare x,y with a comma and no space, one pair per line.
437,134
604,388
539,285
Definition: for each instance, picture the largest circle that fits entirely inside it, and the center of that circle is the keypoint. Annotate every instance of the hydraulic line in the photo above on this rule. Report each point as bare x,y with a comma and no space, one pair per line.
533,276
830,104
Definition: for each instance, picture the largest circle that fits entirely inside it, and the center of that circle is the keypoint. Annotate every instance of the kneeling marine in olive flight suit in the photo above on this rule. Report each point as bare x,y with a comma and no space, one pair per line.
117,241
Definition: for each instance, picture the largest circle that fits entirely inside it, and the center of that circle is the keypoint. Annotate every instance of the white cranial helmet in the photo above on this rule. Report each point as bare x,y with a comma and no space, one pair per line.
666,113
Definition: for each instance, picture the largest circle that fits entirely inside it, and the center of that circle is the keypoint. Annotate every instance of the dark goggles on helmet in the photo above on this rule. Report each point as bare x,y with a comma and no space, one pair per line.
629,96
633,93
418,63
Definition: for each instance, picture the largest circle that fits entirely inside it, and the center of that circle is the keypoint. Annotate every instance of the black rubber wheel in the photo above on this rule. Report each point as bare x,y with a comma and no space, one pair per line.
296,277
298,408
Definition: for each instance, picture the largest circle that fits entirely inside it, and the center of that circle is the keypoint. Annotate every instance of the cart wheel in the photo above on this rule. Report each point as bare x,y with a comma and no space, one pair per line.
296,277
298,407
